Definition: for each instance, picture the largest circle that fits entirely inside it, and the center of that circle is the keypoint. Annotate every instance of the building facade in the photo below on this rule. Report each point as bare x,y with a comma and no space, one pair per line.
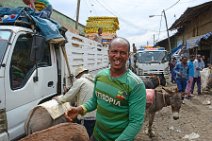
195,30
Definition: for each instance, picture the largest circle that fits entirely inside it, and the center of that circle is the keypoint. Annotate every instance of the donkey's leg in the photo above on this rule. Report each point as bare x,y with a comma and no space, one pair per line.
151,120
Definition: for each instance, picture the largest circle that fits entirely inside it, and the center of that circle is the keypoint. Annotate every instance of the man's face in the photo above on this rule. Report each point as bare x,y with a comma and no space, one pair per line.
192,58
184,60
118,55
198,57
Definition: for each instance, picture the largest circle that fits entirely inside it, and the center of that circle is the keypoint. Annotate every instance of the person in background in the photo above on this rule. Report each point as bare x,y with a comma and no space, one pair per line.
172,65
119,97
205,60
198,66
82,90
190,75
43,7
181,69
98,37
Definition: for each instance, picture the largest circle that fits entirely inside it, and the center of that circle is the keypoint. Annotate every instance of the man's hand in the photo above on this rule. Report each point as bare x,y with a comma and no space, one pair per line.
73,112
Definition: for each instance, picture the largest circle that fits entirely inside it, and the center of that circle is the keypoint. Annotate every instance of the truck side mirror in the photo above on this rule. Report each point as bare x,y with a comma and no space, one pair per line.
37,52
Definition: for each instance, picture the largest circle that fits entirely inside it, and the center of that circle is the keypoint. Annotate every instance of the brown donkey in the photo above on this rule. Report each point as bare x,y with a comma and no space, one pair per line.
163,99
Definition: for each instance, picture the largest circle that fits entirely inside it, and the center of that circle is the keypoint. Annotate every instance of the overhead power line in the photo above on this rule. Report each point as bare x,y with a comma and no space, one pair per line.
92,5
105,8
117,15
172,5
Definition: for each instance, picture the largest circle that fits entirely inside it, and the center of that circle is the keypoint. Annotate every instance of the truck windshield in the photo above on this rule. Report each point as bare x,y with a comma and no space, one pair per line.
4,39
152,57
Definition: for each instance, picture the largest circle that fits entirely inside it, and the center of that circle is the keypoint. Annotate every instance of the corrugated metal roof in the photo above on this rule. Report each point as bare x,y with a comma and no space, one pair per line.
191,13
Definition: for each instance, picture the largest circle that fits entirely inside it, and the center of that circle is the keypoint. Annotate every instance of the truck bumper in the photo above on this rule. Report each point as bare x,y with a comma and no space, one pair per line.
167,76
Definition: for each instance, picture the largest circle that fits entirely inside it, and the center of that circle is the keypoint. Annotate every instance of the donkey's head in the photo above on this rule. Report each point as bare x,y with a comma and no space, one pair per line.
175,101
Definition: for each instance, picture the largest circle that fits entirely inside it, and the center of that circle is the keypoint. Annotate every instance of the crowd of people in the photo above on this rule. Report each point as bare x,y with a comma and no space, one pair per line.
186,73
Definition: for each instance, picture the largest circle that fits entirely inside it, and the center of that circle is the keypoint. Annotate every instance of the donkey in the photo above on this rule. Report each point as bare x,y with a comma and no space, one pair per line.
39,118
160,100
60,132
154,81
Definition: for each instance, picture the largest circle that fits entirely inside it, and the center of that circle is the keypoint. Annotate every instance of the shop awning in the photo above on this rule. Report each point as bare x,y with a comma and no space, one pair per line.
195,41
176,48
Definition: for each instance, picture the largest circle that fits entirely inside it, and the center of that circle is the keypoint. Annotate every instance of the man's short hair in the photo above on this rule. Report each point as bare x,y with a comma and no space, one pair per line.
121,40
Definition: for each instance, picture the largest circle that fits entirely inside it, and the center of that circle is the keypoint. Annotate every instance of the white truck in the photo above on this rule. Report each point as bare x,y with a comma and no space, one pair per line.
33,71
150,60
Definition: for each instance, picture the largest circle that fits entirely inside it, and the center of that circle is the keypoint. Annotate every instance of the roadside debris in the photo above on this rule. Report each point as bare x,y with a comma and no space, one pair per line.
191,136
175,129
206,102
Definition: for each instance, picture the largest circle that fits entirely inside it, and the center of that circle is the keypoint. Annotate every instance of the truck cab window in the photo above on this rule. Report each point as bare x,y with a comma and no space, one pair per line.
4,39
46,58
22,67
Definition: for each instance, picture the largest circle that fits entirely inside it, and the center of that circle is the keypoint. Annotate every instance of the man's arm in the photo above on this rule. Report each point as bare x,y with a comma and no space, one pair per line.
196,67
137,106
71,93
91,104
202,65
176,69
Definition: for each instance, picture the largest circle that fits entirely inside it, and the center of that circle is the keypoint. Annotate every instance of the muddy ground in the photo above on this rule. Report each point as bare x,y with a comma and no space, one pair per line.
195,122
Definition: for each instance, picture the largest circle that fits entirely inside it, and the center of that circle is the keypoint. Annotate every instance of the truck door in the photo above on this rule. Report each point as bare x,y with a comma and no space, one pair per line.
22,91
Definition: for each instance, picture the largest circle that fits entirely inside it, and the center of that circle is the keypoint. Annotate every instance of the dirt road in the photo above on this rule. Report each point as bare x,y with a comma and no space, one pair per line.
195,122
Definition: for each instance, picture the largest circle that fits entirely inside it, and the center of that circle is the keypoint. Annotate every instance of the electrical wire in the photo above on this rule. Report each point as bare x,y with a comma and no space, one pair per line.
113,13
162,16
172,5
87,7
92,7
106,8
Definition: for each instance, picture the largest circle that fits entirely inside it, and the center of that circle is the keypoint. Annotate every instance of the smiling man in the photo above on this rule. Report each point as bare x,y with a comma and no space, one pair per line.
119,97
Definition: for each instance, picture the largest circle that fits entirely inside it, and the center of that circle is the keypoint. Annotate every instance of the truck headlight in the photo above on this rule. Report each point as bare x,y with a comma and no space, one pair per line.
167,69
140,72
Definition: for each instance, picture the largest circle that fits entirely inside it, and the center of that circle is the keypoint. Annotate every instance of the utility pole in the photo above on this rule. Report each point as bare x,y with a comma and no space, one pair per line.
169,43
153,39
77,16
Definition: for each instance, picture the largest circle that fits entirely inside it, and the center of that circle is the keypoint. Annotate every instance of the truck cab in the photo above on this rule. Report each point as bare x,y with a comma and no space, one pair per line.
151,60
24,81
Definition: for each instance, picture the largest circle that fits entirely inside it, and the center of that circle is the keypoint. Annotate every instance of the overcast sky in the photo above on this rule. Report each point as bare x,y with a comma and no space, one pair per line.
134,21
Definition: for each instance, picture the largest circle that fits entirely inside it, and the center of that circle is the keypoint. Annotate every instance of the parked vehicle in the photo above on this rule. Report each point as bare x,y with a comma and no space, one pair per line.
150,60
33,71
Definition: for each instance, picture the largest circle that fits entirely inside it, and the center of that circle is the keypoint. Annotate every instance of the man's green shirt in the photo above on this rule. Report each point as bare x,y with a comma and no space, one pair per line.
120,104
